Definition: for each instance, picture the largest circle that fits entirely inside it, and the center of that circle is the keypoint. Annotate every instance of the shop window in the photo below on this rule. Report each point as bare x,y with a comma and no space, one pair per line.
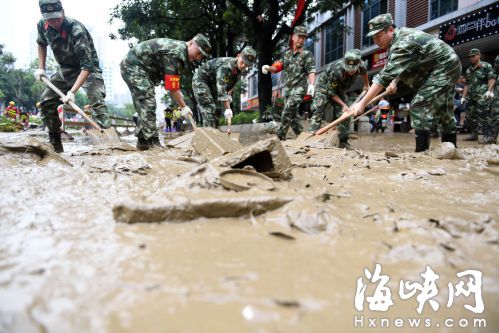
253,86
372,8
334,40
441,7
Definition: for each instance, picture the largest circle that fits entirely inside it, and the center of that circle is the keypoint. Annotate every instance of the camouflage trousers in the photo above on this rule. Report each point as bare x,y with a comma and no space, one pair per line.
494,113
479,113
289,117
434,100
143,96
321,99
64,80
205,102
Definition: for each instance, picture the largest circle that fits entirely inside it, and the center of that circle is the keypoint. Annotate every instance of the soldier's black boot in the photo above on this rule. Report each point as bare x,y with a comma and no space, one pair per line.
55,141
344,144
450,137
142,144
154,142
422,140
472,137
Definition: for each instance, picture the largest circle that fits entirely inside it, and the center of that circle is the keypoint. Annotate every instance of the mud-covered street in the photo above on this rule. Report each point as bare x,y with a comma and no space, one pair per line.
67,263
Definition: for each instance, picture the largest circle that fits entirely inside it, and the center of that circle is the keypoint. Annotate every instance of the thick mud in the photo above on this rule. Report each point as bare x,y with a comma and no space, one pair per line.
66,264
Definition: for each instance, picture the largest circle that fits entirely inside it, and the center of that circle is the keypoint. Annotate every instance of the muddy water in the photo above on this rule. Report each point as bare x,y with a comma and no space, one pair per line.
67,266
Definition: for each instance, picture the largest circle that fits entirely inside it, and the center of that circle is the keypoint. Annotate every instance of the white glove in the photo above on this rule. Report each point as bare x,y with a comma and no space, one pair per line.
228,113
311,90
463,100
489,94
69,97
265,69
185,111
39,73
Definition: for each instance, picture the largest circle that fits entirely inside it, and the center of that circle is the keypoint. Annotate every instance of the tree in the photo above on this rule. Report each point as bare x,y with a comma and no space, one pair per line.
17,84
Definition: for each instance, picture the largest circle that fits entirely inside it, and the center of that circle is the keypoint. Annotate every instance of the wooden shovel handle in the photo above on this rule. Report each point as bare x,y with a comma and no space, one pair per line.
229,123
73,105
347,115
193,123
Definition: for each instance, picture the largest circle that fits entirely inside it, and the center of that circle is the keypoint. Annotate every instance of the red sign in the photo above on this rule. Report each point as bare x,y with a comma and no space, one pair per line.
379,59
172,82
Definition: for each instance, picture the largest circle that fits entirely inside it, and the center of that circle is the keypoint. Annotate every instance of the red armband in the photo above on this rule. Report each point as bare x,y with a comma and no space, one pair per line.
172,82
278,66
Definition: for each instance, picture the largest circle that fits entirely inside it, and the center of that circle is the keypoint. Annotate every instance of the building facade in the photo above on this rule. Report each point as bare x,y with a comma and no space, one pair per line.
463,24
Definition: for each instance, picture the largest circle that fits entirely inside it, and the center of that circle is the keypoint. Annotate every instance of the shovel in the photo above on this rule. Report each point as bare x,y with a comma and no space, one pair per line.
317,134
97,136
347,115
193,123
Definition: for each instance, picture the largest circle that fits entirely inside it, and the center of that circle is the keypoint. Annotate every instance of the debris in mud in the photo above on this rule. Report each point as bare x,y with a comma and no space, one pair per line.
282,235
242,180
183,141
310,218
193,159
267,157
108,149
186,209
437,171
211,143
447,151
287,303
485,227
391,154
44,151
125,164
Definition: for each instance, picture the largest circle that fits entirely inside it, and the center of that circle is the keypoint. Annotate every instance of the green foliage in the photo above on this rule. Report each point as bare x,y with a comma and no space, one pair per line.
9,125
81,99
125,112
35,120
18,85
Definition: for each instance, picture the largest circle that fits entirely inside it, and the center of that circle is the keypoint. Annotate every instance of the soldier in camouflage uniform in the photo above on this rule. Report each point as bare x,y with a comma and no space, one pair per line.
332,85
495,104
75,53
149,63
424,63
478,93
298,65
214,79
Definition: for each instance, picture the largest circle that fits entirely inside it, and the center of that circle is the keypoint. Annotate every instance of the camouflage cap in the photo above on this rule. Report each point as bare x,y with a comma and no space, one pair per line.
51,9
352,60
379,23
248,55
300,30
473,52
203,43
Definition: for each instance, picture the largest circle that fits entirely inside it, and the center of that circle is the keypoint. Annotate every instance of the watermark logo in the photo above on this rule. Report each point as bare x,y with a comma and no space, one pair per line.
469,285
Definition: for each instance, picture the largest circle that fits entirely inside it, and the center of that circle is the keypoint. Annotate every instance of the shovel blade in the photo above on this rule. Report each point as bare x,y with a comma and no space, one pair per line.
103,136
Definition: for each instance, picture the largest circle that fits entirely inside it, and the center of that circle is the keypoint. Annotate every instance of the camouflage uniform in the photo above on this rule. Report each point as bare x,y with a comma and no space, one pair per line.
74,51
495,104
297,66
478,108
430,66
143,68
214,78
334,81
